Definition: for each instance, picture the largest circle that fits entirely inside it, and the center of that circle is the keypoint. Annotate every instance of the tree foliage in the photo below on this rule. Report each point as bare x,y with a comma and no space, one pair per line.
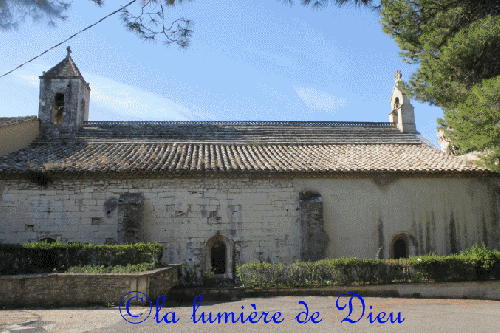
474,125
147,20
456,43
320,4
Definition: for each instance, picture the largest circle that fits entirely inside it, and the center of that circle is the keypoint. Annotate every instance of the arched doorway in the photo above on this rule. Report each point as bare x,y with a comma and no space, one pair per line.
218,257
219,251
403,246
400,249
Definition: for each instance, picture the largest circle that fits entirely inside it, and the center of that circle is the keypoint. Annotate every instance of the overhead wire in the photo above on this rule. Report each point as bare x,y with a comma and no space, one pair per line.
64,41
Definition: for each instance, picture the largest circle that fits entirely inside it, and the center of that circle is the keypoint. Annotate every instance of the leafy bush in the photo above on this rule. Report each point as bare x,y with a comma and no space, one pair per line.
43,257
345,271
476,263
114,269
193,275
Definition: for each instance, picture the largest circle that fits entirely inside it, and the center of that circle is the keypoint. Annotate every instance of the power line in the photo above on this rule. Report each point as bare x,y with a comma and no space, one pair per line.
90,26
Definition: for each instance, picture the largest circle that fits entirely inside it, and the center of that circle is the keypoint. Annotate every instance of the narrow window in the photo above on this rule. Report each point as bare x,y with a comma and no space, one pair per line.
395,110
82,110
313,238
58,108
218,257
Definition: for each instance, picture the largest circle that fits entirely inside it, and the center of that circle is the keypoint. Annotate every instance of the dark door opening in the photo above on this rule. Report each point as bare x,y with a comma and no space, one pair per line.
400,249
218,255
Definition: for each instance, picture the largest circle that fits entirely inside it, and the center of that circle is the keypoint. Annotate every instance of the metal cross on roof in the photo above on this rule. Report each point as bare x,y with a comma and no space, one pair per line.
69,50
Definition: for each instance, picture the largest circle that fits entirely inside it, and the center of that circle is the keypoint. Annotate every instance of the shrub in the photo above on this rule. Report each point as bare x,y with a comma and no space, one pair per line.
114,269
344,271
43,257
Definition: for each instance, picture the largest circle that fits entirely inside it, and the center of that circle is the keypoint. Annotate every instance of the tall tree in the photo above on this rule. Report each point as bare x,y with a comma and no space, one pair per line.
456,43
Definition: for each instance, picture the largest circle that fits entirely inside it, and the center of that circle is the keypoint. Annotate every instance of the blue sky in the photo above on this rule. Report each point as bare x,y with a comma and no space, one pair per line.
249,60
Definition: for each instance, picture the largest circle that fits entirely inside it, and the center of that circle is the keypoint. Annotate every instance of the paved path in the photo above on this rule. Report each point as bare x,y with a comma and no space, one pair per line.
420,315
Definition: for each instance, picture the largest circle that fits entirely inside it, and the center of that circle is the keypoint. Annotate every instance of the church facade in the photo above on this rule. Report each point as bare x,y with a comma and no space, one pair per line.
224,193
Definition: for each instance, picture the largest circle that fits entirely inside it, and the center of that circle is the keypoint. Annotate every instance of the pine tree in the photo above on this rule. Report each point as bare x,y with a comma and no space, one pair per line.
456,43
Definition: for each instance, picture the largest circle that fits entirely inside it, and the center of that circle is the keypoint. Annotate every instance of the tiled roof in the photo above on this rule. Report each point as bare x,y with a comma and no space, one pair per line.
246,132
67,67
9,121
298,147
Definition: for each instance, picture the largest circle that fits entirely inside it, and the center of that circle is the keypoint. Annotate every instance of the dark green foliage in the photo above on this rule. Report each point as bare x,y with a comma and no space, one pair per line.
45,257
345,271
474,125
474,264
477,263
456,43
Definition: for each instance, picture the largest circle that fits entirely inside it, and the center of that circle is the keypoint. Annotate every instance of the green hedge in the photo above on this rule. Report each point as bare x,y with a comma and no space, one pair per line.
115,269
474,264
45,257
345,271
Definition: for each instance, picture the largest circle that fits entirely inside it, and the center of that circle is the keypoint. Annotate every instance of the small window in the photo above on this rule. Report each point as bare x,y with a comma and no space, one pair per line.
58,108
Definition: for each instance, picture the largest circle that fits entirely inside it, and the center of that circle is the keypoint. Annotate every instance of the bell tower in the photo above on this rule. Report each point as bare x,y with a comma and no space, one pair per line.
402,113
64,99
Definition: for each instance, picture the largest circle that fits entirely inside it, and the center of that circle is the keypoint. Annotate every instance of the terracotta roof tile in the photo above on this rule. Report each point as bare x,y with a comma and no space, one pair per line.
224,147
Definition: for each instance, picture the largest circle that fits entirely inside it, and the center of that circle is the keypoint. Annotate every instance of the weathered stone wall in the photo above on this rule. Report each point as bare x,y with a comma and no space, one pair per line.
258,217
76,105
259,220
84,289
442,215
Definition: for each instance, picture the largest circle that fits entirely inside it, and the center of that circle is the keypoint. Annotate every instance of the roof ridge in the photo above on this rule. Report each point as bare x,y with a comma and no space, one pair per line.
243,122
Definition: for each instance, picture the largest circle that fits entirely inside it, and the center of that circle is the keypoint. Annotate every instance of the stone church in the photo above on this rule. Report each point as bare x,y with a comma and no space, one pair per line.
224,193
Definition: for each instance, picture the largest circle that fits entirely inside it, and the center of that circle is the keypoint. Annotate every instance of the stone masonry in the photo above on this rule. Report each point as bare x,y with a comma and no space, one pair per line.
260,216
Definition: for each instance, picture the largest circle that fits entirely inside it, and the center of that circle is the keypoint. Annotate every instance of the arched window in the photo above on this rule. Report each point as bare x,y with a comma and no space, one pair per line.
395,110
218,257
58,108
396,102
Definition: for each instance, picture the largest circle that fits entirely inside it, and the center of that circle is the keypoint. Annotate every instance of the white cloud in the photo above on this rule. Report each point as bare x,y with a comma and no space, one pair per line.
320,100
128,100
121,100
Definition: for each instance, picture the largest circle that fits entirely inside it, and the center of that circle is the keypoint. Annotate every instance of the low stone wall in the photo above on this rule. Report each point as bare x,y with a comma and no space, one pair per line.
78,289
